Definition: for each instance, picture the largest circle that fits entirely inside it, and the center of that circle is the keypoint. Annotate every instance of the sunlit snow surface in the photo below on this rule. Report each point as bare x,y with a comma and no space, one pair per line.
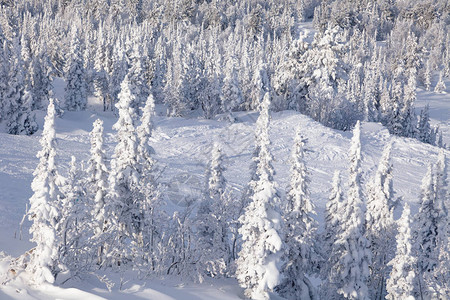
182,147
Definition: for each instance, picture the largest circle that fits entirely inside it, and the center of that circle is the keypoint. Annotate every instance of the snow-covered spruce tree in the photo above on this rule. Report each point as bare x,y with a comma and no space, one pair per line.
23,121
371,95
101,78
13,90
426,229
400,284
261,224
118,73
210,96
352,269
408,110
441,184
261,86
44,212
73,226
426,223
438,280
332,217
380,226
196,80
427,75
124,178
136,76
97,183
17,100
423,127
213,245
331,232
394,118
231,91
41,79
440,85
76,91
149,206
4,70
300,230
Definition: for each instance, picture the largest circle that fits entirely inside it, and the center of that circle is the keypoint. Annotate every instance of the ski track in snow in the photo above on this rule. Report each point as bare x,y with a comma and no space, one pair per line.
182,149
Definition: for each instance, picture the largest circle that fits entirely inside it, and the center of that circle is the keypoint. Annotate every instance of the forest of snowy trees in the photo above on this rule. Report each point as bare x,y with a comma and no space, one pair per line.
110,216
363,62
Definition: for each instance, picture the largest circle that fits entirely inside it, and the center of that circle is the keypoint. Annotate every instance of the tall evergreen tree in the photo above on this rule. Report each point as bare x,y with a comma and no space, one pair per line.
73,226
331,232
44,212
261,224
76,90
41,79
352,268
18,100
136,76
380,223
231,90
212,217
424,128
300,226
438,279
426,222
124,178
440,85
97,177
426,228
148,189
401,282
101,78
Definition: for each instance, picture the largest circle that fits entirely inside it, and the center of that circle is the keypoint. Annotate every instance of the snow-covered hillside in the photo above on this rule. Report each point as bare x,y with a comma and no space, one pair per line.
182,147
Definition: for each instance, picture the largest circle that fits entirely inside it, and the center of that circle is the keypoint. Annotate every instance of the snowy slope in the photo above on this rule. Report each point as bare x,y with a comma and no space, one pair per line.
182,148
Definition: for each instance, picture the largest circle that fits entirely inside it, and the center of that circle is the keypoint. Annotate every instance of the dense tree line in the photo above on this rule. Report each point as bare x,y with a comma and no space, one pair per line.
363,62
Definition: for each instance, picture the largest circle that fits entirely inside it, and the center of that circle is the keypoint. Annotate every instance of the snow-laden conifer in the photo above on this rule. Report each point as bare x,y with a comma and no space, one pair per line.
440,85
212,217
41,79
401,282
148,189
231,91
97,183
124,178
352,269
380,222
17,99
300,230
441,184
73,227
331,232
423,127
136,76
75,75
408,110
427,75
426,222
44,212
261,224
23,121
101,78
118,72
439,279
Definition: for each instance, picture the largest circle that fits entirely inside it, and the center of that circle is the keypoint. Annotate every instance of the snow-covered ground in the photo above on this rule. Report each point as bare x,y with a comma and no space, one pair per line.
182,148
